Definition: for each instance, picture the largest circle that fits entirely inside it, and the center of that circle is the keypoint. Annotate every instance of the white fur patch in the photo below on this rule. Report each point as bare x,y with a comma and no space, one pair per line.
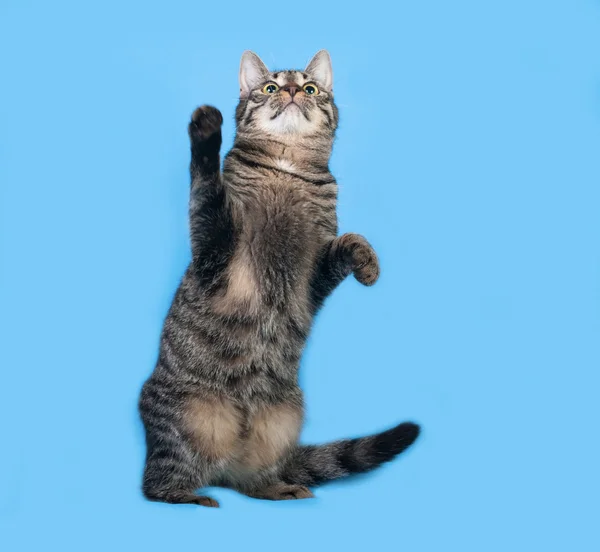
285,165
289,122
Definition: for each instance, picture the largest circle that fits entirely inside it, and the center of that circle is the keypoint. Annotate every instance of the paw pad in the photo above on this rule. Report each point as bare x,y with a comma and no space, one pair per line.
206,121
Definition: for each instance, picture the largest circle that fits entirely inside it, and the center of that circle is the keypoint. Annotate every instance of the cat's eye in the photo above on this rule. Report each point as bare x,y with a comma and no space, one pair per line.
270,88
311,89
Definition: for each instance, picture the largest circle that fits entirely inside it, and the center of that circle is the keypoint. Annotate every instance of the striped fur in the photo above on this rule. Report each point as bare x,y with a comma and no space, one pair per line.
223,405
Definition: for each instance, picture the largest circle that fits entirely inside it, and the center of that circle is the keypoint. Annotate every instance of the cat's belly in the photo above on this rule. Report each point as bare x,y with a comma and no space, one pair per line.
268,360
252,437
245,356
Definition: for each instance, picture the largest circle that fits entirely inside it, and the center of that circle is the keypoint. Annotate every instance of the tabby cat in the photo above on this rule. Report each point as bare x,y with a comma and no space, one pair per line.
223,406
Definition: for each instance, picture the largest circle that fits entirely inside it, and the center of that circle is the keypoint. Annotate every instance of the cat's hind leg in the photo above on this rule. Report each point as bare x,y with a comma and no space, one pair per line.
272,430
190,442
172,475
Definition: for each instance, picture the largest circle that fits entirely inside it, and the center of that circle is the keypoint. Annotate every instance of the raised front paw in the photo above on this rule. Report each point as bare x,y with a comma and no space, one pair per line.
206,122
362,257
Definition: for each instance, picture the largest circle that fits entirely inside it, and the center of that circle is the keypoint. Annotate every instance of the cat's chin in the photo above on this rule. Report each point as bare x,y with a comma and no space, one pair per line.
291,105
290,121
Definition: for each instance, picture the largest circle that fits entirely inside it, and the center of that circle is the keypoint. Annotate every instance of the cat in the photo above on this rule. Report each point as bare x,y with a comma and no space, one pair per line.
223,406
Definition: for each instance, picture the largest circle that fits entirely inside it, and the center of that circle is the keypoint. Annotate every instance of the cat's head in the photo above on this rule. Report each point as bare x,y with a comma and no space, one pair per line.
287,102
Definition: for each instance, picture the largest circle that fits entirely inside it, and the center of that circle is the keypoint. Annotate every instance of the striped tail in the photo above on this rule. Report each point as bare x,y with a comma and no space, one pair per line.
314,464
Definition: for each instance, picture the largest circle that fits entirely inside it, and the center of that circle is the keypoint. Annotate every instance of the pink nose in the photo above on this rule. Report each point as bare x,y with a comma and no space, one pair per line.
291,89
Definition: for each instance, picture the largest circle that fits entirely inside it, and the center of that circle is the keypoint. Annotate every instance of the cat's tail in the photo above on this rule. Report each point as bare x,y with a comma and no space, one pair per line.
314,464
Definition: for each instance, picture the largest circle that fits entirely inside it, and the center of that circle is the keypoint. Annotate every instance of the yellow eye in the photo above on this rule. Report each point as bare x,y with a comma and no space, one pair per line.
311,89
270,88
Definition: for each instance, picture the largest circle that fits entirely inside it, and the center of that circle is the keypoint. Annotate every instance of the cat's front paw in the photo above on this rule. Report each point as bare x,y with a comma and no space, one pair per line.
363,259
206,122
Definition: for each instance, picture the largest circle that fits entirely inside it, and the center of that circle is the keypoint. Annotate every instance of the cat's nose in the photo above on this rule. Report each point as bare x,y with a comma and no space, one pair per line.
291,89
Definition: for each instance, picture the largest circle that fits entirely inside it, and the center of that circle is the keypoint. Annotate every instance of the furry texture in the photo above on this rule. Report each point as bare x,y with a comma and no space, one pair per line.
223,406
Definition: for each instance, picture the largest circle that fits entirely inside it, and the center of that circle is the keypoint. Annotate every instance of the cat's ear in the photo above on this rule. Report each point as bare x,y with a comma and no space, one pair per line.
320,68
252,72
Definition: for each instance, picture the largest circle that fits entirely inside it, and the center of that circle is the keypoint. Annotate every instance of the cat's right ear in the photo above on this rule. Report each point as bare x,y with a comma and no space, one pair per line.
252,73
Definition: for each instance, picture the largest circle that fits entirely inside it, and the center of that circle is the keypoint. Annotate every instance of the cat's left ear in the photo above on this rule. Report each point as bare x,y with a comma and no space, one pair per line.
252,72
320,68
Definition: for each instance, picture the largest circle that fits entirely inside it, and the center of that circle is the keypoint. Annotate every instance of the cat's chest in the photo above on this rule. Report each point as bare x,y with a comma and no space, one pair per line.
280,230
279,207
278,240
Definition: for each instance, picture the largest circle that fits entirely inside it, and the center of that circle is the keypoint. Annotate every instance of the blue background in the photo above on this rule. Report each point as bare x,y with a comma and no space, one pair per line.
468,153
